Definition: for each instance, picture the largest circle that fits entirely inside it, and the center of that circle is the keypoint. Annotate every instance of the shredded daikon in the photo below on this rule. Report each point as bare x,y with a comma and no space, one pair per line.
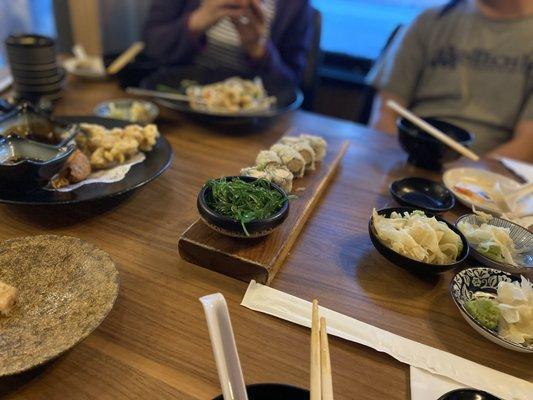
492,241
418,237
515,301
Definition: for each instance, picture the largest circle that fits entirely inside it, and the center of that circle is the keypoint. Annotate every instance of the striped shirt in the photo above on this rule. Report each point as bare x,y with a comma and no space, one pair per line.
223,45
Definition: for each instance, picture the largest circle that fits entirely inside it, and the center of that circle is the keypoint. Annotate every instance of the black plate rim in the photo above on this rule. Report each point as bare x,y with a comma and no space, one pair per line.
80,119
403,202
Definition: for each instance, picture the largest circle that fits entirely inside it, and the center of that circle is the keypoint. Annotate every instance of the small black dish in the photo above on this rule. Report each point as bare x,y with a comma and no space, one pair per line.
274,391
31,123
423,194
468,394
288,96
28,163
230,227
406,262
424,150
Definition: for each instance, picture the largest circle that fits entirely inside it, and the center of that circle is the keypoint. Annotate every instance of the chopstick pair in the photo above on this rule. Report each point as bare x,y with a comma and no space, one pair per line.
320,379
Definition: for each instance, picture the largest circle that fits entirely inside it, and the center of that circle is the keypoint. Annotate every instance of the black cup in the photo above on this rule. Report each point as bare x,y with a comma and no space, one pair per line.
424,150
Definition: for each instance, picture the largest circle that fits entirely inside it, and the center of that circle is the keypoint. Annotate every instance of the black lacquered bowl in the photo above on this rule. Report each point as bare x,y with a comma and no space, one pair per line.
26,163
288,96
409,263
231,227
423,194
273,391
468,394
424,150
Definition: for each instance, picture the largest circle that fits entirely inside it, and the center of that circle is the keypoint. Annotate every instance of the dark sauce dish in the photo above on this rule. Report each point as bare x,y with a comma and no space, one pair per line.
425,151
28,163
468,394
422,193
28,122
274,391
231,227
410,264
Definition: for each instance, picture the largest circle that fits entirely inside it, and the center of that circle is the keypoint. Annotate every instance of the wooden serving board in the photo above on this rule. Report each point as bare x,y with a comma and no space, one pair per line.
261,258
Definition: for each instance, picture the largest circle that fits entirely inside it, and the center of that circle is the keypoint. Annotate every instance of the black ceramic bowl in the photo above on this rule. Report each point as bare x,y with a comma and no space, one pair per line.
468,394
424,150
406,262
31,123
26,163
274,391
423,194
229,226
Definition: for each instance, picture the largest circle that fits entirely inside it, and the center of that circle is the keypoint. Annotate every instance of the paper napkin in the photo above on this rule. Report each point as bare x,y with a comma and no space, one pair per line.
470,374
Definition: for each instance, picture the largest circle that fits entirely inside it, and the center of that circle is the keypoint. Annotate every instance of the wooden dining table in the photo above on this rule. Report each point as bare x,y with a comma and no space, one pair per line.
154,344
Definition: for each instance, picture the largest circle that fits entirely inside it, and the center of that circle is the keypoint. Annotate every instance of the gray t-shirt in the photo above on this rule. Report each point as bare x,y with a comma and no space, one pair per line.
464,68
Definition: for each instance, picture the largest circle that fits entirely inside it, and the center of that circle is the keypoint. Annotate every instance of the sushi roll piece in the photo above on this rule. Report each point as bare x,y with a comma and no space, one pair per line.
254,172
290,158
302,146
8,298
267,157
281,176
319,145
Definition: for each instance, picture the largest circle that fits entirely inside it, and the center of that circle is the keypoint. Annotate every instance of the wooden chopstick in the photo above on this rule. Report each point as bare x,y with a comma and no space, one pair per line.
325,362
163,95
315,377
122,60
436,133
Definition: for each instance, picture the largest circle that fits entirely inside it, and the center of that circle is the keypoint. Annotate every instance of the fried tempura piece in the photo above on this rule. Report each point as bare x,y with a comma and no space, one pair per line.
107,148
76,169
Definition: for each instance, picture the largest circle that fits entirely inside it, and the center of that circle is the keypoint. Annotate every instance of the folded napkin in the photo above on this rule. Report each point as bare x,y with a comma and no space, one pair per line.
520,168
428,386
285,306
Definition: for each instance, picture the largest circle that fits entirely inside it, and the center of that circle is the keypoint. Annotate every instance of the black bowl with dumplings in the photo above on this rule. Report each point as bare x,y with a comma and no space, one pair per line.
425,151
231,227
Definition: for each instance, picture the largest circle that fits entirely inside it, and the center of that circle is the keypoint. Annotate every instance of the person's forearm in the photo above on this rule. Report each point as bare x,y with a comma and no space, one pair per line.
519,149
521,146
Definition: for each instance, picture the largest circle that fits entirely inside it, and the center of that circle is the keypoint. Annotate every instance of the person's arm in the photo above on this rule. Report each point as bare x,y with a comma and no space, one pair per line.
175,29
287,57
396,73
382,117
520,147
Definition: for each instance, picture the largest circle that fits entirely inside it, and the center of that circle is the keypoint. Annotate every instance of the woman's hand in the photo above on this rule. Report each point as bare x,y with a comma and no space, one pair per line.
211,11
252,29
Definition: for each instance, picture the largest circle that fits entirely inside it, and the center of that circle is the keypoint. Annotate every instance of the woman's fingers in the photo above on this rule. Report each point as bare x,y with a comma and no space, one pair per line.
258,13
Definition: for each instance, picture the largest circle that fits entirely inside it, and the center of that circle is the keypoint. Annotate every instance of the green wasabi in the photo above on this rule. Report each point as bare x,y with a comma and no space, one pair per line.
484,311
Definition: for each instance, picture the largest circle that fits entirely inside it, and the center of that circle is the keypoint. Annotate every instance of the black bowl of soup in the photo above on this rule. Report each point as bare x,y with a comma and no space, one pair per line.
425,151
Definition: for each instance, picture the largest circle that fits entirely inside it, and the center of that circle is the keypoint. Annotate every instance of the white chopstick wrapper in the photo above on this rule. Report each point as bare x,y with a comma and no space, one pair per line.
290,308
425,385
520,168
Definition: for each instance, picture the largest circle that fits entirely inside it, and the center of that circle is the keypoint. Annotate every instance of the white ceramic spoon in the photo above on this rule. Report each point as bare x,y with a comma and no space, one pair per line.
224,347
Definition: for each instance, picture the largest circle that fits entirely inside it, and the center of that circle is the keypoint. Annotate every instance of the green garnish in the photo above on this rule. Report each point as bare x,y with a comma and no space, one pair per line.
244,201
484,311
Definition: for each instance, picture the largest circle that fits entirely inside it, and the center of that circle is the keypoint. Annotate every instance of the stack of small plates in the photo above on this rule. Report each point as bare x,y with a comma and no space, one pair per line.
33,64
